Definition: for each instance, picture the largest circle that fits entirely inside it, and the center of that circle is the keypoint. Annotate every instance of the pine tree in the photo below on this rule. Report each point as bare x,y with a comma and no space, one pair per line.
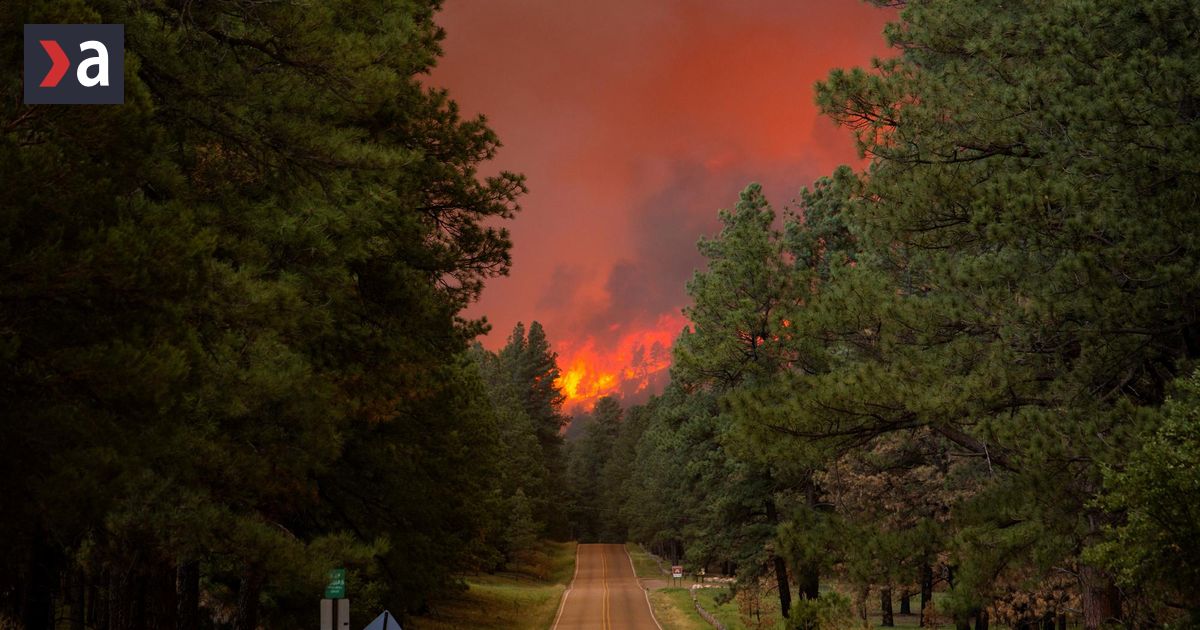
738,339
521,531
1154,549
1023,264
531,370
587,461
236,307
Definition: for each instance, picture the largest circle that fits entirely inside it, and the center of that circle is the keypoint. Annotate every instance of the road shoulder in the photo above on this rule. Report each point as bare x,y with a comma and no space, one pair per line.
671,606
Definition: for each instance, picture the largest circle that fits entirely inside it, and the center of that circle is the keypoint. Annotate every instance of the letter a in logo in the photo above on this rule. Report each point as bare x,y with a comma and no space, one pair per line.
100,62
95,51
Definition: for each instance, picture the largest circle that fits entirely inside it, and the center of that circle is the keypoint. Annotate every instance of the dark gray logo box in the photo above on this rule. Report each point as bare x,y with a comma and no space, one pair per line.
69,91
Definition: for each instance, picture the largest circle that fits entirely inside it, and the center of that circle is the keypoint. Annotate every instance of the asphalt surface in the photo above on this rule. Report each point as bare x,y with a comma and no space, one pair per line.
605,594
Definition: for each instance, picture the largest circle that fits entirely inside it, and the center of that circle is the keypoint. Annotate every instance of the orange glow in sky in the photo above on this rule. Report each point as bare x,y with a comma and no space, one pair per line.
634,121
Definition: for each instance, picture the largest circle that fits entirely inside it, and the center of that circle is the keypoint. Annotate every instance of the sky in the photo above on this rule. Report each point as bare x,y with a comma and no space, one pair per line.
634,122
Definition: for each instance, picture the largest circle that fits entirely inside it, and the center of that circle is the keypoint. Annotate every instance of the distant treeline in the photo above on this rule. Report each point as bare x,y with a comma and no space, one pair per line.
969,368
232,350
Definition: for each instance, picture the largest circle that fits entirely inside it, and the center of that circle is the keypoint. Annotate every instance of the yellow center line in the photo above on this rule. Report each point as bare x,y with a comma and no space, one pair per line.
605,619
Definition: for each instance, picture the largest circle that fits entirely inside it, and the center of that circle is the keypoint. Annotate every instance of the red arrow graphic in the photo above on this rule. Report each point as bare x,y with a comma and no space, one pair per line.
61,63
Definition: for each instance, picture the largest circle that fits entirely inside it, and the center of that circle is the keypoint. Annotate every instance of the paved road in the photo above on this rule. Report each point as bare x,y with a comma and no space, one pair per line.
605,594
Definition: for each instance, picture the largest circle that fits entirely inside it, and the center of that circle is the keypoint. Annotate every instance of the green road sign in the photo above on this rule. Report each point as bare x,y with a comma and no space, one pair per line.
336,589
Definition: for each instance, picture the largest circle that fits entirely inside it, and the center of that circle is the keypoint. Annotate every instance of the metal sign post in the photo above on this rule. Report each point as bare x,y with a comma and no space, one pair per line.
335,614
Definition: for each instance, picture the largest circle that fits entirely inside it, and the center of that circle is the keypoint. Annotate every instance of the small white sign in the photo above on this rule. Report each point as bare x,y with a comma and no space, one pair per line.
677,571
385,621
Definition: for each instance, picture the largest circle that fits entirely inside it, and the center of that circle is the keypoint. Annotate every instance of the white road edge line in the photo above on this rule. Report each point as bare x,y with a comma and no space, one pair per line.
645,591
563,604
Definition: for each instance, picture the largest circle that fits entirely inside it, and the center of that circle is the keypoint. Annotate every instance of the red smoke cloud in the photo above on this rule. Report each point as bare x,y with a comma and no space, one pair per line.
634,121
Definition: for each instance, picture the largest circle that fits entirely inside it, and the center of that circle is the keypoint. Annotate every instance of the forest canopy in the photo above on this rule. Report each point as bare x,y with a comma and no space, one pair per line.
969,366
236,349
233,354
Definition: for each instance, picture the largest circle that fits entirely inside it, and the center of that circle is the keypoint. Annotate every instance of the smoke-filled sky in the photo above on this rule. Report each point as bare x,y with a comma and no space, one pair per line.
635,121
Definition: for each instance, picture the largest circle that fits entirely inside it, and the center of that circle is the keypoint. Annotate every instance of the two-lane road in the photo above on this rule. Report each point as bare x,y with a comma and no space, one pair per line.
605,594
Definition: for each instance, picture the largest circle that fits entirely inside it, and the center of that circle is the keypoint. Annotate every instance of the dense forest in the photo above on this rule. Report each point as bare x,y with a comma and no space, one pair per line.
234,352
970,366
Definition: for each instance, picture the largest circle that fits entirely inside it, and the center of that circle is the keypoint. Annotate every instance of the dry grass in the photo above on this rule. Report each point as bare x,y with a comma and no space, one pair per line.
525,599
643,564
673,609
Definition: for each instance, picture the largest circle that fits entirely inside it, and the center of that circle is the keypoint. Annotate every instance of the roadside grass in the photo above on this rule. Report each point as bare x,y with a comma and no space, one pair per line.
673,609
727,612
672,605
525,597
643,564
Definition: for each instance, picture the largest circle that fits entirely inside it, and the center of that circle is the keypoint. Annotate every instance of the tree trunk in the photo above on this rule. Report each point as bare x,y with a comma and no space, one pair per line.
905,603
810,572
981,620
1101,600
162,597
78,600
120,600
809,581
785,590
781,576
43,582
926,590
93,607
98,607
140,604
187,585
885,605
1062,621
246,616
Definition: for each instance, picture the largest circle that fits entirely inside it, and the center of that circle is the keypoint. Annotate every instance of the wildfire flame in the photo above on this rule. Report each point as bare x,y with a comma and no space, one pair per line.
627,368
